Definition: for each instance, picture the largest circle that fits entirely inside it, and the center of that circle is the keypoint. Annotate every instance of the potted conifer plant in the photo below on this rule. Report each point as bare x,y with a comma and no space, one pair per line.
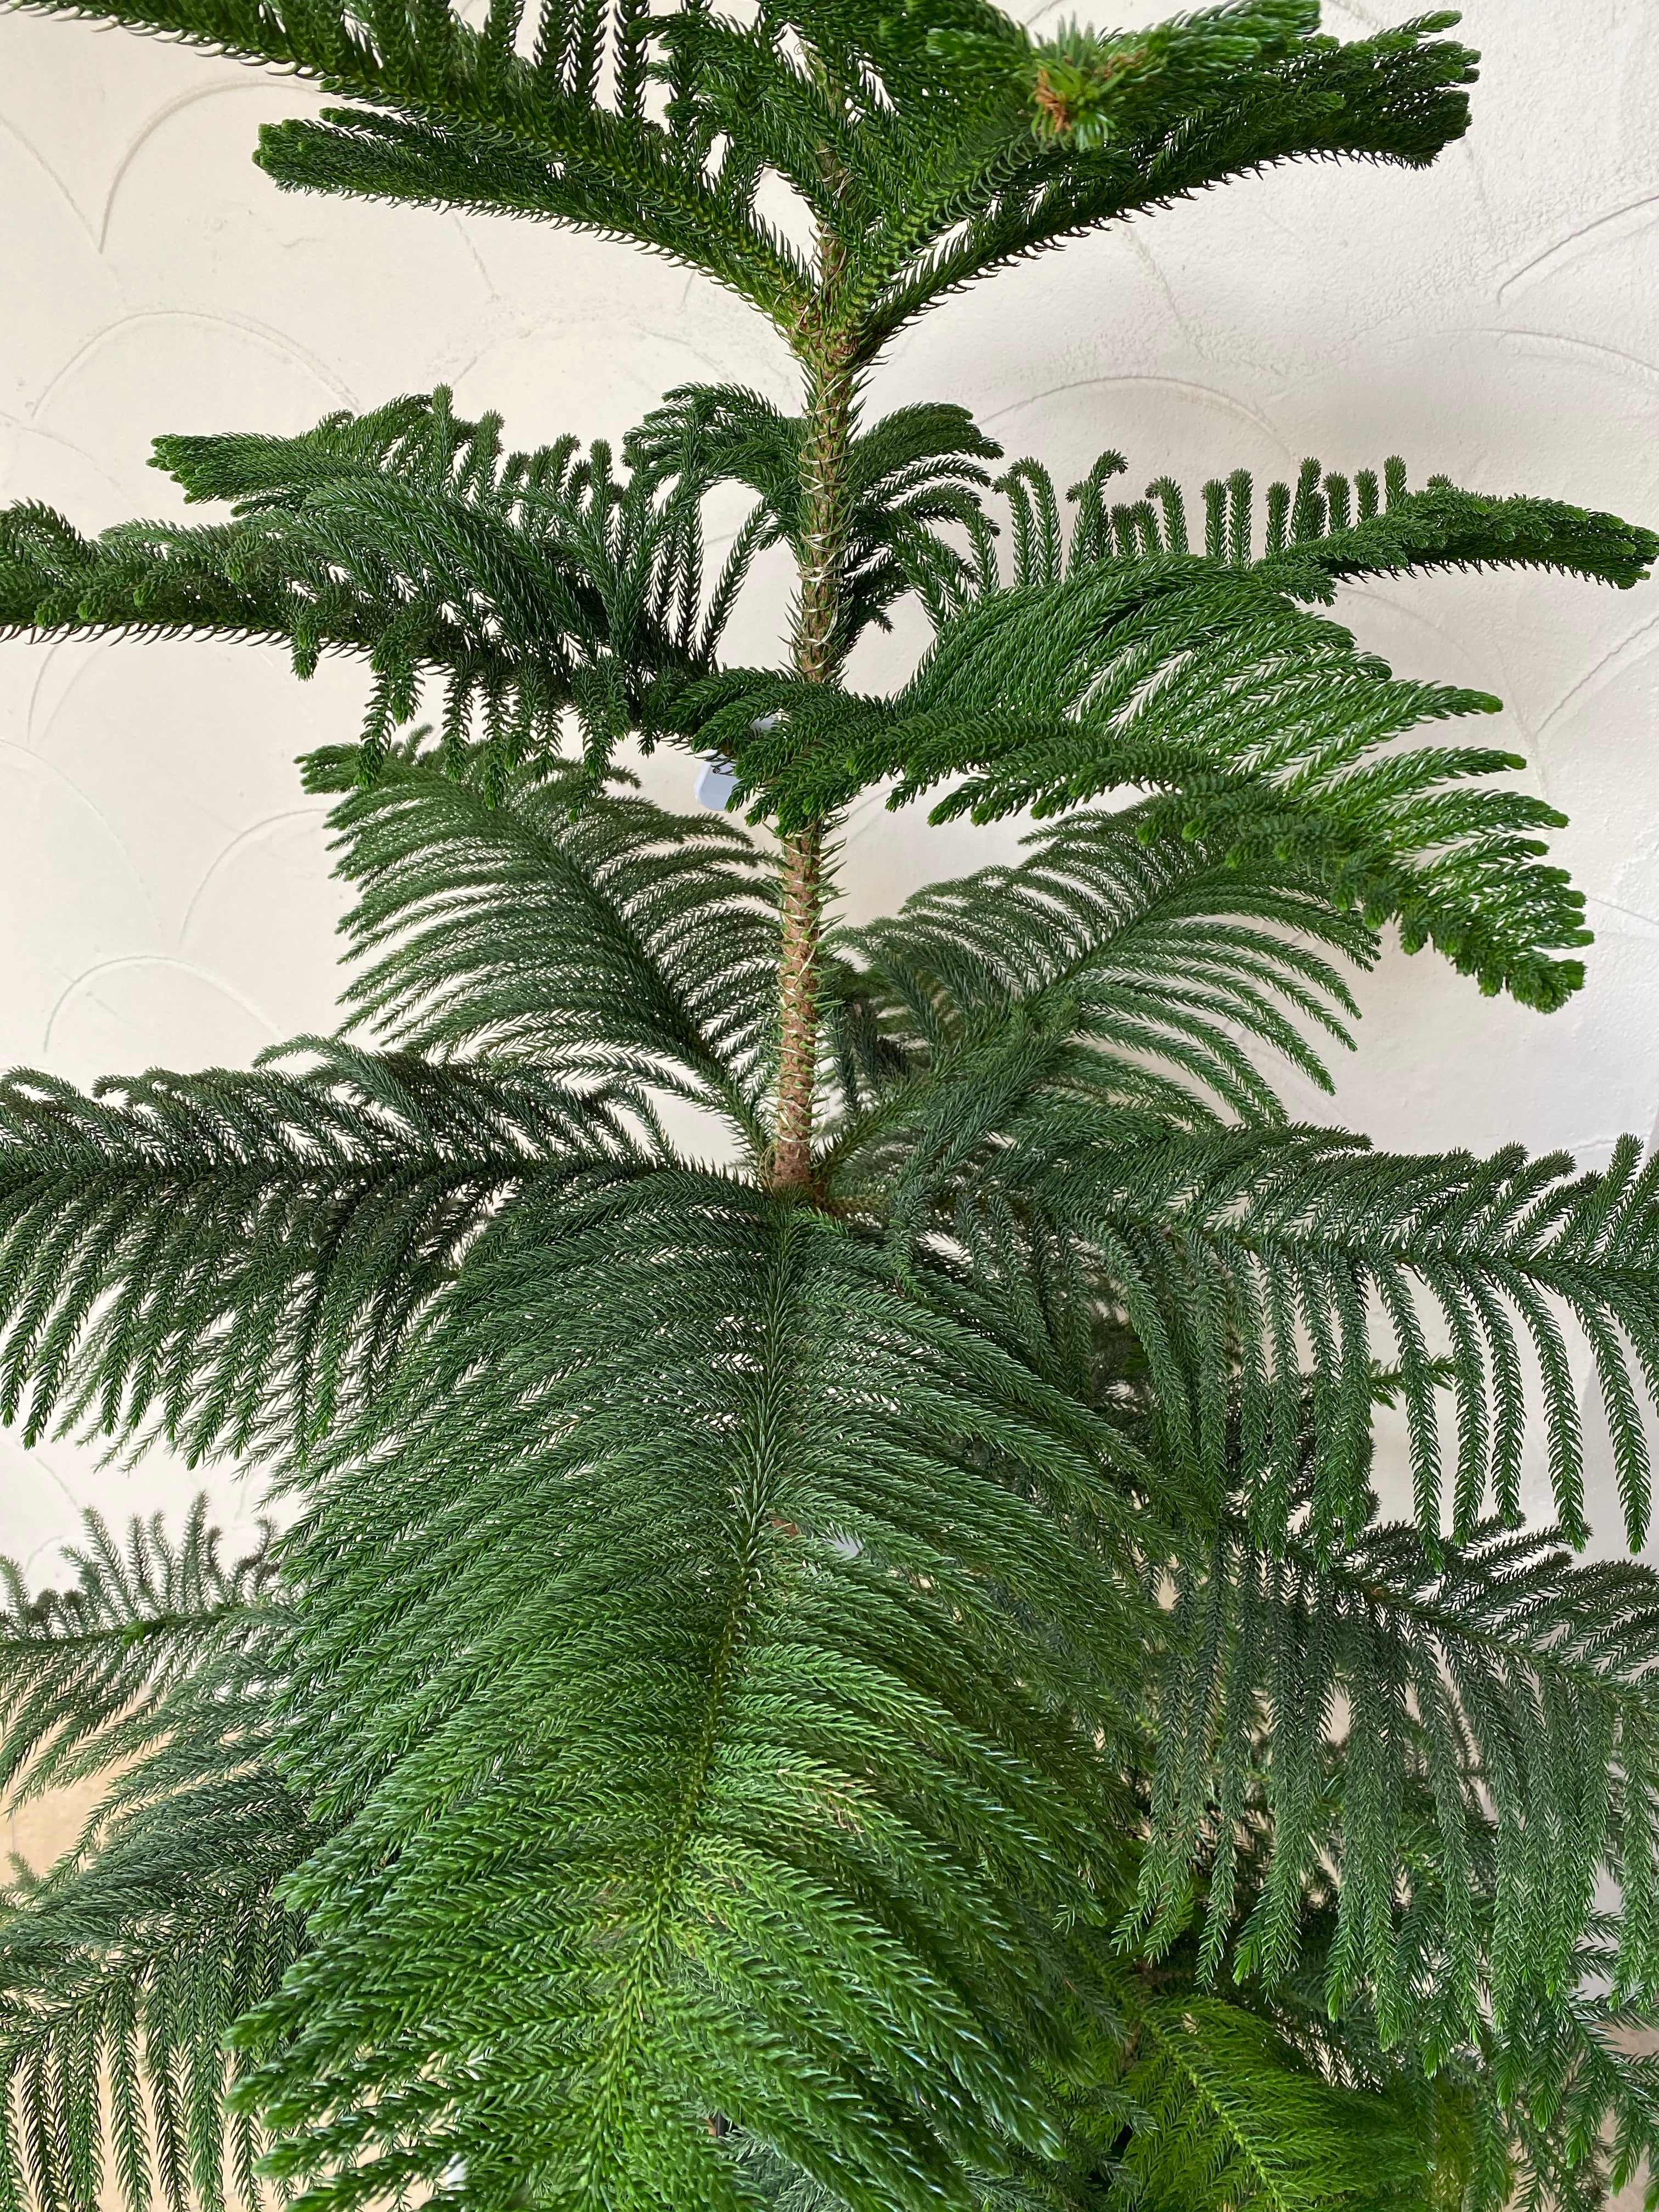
862,1668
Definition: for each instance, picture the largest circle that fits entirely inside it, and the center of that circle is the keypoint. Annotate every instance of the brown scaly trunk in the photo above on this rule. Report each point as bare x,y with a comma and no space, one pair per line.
823,469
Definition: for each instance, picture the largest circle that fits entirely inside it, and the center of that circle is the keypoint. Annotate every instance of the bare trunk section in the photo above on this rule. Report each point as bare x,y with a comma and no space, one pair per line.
797,1008
823,483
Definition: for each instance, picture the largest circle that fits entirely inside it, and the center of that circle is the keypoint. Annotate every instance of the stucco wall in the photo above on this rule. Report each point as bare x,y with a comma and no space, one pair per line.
164,892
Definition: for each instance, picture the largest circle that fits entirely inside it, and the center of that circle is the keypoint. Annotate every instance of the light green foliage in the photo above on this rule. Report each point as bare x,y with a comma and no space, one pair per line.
749,1669
849,1662
1228,2116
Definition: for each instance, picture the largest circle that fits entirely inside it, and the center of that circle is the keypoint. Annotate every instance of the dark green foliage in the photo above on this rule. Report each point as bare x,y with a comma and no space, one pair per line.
1140,965
1250,1263
1582,2088
911,471
522,588
1108,665
1226,2115
529,584
930,134
1066,1191
89,1669
1486,1711
543,588
123,1972
597,935
234,1259
833,1645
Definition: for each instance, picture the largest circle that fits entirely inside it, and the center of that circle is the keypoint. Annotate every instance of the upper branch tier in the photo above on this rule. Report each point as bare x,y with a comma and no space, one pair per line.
932,141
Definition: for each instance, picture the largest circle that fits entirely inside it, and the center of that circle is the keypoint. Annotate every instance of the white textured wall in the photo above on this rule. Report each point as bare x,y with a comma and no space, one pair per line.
164,895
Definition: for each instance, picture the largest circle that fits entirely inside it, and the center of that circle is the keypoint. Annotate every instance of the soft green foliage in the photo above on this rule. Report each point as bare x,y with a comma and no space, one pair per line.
1227,2116
785,1819
852,1663
1142,961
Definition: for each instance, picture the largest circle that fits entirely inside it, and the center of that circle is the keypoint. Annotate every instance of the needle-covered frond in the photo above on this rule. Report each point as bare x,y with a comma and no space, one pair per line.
1467,1736
545,119
506,591
1248,1263
233,1260
905,476
1263,730
591,932
710,1699
983,142
787,1687
123,1969
1325,524
84,1669
1324,529
1188,2104
120,1982
519,585
1098,969
935,141
1579,2091
1228,2119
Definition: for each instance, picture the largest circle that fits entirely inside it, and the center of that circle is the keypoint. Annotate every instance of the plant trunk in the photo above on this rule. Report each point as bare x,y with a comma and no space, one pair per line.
816,658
